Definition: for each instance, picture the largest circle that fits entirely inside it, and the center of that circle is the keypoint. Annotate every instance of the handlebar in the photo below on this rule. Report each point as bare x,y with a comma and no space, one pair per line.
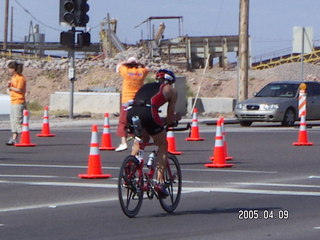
177,129
167,128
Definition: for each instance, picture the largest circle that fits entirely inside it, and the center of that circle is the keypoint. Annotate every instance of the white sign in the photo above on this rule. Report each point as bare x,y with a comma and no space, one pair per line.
71,74
302,40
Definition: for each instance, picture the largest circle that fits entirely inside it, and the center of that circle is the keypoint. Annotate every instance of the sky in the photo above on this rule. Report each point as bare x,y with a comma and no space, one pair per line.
271,22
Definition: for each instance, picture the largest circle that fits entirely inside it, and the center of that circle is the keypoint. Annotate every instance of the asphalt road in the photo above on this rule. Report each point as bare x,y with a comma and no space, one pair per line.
271,192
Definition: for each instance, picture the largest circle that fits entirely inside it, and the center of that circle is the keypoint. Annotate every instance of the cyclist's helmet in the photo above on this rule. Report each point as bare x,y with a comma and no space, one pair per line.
166,75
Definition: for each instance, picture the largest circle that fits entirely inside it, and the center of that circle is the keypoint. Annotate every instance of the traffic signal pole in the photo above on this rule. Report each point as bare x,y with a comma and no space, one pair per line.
73,13
72,77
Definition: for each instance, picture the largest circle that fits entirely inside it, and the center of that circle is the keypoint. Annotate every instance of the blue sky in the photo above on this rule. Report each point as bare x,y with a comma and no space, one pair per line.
270,27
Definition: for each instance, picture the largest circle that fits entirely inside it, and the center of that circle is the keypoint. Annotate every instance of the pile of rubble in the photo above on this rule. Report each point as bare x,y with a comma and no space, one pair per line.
82,64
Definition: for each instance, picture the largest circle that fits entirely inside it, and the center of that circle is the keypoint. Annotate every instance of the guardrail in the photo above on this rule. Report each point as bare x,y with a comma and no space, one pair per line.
290,58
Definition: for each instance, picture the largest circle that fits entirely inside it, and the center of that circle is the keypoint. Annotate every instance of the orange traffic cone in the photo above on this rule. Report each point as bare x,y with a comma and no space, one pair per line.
106,141
172,143
303,135
225,144
194,135
25,135
94,163
219,152
45,125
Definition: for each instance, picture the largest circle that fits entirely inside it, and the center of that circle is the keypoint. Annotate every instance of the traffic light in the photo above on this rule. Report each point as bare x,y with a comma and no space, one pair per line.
83,39
67,12
74,12
67,39
82,17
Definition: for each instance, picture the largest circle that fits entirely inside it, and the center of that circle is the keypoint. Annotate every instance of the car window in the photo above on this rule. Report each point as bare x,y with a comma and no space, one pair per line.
278,90
313,89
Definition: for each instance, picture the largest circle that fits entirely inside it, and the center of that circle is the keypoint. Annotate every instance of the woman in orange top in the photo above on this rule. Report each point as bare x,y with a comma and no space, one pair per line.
133,74
17,90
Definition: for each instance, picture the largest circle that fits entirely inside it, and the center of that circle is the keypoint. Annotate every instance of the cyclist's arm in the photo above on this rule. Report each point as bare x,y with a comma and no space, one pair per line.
170,94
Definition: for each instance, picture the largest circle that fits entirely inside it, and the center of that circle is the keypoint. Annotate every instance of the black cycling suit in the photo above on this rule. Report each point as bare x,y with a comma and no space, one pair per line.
147,102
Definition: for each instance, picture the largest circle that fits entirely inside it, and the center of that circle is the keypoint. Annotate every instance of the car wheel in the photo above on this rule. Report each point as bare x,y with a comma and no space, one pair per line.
289,117
245,123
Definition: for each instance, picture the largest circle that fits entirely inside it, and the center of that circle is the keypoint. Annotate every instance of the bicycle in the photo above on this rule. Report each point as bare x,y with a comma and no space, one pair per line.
133,182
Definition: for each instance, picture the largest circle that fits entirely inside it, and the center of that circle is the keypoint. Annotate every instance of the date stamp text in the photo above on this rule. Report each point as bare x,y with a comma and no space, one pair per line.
256,214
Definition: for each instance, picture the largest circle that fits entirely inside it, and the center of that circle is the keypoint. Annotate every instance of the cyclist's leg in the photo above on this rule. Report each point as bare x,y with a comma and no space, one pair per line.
161,141
136,146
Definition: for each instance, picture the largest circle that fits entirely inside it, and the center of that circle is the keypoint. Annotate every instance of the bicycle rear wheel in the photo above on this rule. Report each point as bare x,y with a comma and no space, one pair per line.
173,182
129,187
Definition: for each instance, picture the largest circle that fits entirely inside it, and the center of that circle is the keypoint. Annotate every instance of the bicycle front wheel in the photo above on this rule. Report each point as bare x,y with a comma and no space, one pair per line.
173,182
129,187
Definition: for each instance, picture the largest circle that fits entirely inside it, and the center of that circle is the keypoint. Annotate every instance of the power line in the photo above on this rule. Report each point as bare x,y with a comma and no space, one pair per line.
39,21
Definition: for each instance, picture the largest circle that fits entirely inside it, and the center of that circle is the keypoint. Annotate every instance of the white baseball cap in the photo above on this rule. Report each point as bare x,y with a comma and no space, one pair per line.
132,60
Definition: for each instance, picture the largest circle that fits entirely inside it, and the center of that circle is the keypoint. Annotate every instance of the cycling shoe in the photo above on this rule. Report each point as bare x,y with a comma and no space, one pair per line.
160,188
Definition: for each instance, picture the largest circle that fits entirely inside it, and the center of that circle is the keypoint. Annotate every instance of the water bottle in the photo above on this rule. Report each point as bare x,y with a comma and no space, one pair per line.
151,159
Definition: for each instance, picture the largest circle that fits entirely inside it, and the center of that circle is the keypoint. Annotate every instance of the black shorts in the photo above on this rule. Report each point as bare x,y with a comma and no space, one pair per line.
149,121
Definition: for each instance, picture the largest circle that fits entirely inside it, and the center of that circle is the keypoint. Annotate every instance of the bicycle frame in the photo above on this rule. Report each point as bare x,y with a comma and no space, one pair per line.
146,177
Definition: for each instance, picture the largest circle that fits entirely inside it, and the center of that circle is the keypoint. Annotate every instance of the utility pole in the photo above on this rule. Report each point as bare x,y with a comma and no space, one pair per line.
5,32
109,35
243,50
11,27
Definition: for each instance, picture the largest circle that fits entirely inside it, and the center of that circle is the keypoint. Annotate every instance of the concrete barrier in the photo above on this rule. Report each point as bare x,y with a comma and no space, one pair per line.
101,102
5,108
212,105
86,102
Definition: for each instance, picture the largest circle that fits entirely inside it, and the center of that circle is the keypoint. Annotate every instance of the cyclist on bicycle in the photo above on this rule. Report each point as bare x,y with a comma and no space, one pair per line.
149,98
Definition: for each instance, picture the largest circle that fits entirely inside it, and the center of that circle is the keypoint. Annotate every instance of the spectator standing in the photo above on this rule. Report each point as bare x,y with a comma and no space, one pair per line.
17,90
133,74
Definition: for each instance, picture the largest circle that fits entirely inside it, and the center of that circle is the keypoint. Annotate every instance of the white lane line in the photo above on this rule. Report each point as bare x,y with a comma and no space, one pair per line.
43,176
225,170
185,189
28,176
62,184
117,168
277,185
48,166
56,204
252,191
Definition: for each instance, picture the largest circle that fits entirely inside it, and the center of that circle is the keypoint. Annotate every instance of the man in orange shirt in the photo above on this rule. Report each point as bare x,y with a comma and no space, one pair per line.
133,74
16,89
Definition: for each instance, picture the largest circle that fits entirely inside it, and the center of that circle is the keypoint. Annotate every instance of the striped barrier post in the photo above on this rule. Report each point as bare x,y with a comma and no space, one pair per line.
303,135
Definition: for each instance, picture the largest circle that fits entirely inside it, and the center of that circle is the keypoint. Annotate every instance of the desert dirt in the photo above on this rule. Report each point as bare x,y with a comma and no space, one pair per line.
214,82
